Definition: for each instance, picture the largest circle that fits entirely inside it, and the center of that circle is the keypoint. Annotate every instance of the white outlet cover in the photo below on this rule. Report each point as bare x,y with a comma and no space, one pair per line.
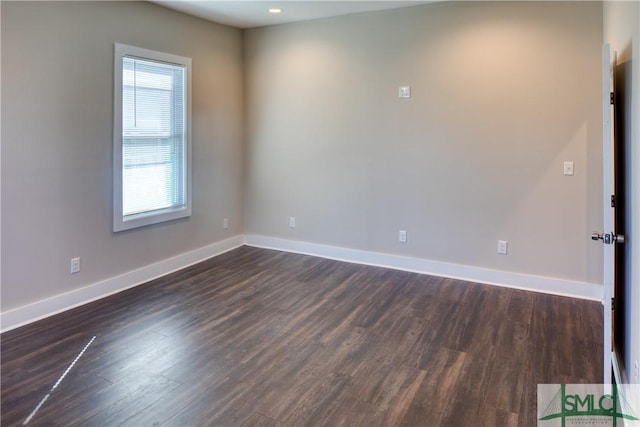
502,247
75,265
292,222
404,92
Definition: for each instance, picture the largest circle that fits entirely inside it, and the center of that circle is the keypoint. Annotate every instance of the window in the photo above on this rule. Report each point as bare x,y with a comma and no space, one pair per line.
152,137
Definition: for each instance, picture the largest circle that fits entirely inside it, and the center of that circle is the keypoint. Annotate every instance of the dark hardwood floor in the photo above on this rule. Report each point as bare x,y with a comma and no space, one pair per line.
266,338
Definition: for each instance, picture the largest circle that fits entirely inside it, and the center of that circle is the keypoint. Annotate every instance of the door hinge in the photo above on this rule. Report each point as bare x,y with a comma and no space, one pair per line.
613,200
612,98
613,303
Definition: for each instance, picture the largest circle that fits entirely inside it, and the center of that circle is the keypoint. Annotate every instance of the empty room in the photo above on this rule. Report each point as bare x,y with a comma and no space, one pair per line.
314,213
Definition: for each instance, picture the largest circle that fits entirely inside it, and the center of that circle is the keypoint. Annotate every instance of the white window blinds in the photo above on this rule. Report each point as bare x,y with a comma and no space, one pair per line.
153,141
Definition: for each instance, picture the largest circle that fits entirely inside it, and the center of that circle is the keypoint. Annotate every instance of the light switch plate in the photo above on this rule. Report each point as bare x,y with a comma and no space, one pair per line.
568,168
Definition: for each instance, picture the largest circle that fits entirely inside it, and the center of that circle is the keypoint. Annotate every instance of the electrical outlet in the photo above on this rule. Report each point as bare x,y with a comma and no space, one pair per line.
225,223
404,91
292,222
75,265
637,372
402,236
502,247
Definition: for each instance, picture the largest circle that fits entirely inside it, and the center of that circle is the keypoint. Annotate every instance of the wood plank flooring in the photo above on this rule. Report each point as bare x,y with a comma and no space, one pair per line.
256,337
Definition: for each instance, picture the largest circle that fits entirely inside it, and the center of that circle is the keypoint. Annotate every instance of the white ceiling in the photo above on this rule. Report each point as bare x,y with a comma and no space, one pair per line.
249,14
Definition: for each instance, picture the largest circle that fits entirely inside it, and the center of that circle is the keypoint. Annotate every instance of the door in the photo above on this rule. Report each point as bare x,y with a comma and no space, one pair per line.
608,236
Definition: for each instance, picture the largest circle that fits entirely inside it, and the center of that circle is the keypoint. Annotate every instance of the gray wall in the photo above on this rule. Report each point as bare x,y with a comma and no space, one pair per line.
622,31
502,94
57,102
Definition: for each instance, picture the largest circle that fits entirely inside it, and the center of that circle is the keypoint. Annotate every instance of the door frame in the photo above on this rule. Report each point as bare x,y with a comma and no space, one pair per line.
608,187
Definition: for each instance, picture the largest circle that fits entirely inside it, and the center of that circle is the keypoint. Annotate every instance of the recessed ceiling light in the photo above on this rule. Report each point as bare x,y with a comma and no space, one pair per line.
275,10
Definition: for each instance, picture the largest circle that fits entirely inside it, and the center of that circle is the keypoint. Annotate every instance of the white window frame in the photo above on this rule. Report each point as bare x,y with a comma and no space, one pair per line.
120,222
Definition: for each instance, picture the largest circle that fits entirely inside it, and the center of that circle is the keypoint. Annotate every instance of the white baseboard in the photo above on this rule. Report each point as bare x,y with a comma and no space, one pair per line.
30,313
548,285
